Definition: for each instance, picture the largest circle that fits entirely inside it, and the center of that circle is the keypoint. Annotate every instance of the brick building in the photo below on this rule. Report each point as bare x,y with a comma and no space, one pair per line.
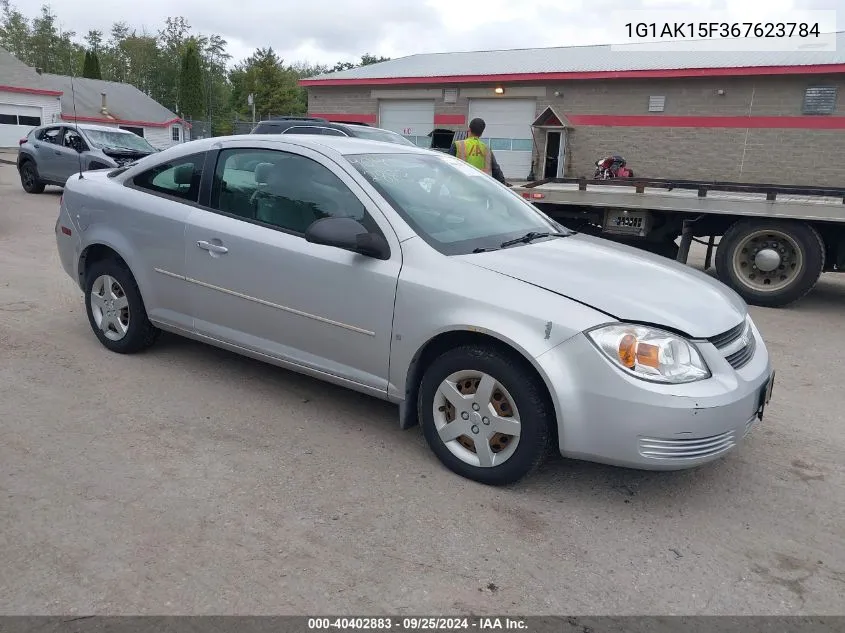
739,116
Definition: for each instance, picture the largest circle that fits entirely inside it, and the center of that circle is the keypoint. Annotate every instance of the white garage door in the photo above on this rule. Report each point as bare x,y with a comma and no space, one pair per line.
16,122
412,119
508,132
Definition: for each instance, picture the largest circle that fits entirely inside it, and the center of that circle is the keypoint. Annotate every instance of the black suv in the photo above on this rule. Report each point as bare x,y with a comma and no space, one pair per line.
312,125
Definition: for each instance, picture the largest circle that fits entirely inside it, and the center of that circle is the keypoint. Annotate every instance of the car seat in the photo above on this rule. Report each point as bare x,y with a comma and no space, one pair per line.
283,200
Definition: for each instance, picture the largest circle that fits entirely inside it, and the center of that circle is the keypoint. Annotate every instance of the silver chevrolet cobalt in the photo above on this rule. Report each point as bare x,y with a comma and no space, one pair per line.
411,276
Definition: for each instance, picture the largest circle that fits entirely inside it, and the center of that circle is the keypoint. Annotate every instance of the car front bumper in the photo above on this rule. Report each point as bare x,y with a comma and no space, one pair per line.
605,415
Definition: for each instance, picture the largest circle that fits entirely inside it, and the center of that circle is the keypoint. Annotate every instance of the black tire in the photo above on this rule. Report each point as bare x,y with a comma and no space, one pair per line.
29,178
667,248
140,334
809,242
530,399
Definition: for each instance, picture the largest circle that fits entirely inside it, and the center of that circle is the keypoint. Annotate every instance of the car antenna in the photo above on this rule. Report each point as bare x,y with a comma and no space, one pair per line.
76,123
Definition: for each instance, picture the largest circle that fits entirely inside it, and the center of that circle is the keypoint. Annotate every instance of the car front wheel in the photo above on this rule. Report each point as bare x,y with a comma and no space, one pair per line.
484,415
115,309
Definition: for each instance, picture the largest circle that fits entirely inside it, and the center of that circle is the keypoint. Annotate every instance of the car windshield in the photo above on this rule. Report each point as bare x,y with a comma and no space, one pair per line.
376,134
119,140
450,204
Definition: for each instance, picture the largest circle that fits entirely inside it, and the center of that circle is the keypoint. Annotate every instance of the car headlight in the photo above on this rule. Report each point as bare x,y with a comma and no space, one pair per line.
650,354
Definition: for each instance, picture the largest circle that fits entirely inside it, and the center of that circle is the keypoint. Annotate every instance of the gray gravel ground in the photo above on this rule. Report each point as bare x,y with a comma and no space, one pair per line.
189,480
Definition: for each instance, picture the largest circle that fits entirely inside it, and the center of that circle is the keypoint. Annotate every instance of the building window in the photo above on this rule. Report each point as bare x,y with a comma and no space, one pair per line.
500,144
450,95
135,130
15,119
820,100
175,133
656,104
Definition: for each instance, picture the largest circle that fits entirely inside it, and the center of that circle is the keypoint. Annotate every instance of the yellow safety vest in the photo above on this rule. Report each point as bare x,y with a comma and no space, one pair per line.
476,153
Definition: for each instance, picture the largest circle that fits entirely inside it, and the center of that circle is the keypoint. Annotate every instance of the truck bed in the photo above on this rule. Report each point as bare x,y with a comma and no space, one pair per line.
824,204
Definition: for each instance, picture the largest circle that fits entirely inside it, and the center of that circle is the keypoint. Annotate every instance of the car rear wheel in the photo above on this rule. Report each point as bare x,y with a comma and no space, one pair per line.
29,178
115,309
484,415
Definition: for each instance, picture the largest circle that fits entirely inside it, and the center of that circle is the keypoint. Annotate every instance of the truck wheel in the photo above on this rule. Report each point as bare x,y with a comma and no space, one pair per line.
770,263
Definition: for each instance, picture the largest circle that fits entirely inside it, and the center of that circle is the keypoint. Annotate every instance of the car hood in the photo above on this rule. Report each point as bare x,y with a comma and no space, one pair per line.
625,283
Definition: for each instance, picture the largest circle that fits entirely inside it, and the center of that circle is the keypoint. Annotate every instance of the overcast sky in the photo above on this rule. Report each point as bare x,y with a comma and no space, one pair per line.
319,32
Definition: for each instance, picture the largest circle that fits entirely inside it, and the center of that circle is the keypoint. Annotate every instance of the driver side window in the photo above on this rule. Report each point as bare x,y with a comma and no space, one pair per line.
73,140
283,190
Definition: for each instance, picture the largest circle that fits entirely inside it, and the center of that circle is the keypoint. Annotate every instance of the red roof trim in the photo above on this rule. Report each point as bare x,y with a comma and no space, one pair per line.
94,119
32,91
357,118
818,122
604,74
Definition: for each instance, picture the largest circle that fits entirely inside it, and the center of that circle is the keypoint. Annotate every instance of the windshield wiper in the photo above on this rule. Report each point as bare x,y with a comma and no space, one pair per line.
530,237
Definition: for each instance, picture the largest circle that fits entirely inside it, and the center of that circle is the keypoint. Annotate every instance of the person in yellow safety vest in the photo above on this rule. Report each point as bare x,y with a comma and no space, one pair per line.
476,153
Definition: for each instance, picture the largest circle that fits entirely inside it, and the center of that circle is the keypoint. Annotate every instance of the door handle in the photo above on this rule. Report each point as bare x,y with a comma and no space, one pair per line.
212,248
57,152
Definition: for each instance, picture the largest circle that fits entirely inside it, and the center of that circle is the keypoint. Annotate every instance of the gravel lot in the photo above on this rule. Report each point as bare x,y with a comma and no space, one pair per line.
188,480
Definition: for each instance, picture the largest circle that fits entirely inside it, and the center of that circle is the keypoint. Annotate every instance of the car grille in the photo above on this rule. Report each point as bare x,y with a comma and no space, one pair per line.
696,448
737,356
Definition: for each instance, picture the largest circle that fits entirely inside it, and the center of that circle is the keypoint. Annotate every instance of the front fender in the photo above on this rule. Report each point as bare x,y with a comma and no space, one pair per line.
439,295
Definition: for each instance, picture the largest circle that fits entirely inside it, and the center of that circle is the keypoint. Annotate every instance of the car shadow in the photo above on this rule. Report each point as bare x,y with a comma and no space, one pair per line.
558,478
267,377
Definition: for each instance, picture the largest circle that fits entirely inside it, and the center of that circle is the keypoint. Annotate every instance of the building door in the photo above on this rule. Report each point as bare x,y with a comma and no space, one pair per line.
508,132
17,121
413,119
555,154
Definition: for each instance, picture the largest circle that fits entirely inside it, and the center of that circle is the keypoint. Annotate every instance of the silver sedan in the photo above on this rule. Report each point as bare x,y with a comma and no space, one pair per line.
416,278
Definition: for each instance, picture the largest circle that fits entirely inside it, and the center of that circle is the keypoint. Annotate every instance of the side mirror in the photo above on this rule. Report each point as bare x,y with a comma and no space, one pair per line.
348,234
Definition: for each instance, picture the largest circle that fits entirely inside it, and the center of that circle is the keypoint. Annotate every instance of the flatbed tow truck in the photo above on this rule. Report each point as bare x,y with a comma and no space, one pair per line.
774,241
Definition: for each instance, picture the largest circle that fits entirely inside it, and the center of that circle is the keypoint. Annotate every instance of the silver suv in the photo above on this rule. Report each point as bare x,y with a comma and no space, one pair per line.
51,154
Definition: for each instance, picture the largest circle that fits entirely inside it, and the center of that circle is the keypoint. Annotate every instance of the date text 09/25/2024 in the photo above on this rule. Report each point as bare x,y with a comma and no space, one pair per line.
416,624
691,30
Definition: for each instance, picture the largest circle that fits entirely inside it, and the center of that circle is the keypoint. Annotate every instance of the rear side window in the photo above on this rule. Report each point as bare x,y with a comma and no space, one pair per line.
303,129
264,128
177,179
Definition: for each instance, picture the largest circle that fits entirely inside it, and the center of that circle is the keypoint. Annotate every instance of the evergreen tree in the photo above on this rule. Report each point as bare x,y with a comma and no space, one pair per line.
191,85
91,67
95,67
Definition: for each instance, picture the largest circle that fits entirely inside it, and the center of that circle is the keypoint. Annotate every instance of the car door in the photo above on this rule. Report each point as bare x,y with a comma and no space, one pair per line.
67,156
157,203
258,284
47,152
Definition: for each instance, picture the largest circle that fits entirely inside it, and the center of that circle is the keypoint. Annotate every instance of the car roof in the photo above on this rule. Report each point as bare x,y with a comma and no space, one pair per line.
101,128
87,126
344,145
